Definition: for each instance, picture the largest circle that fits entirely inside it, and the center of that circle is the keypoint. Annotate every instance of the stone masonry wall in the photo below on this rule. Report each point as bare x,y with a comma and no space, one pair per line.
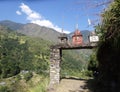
55,59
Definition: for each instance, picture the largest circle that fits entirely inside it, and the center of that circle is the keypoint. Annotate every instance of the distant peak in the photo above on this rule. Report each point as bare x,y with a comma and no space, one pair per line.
5,21
9,21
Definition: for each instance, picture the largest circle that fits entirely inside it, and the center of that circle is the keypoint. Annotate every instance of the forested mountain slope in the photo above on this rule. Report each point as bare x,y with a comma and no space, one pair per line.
32,30
22,57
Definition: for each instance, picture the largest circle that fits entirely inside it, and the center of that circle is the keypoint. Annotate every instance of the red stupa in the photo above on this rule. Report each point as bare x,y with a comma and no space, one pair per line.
77,38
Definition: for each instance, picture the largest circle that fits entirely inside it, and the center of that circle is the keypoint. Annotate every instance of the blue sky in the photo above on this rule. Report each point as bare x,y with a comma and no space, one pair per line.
56,14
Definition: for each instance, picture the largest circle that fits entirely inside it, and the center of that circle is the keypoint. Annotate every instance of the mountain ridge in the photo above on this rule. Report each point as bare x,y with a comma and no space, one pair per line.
31,29
34,30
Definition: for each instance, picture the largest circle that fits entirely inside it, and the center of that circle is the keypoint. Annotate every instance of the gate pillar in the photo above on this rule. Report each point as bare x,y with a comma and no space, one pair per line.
55,59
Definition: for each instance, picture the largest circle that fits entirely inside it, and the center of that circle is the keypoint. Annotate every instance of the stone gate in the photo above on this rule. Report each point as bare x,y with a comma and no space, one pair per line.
56,52
55,59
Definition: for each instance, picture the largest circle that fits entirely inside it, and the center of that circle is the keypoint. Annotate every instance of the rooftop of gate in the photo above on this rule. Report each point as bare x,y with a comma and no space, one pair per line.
66,44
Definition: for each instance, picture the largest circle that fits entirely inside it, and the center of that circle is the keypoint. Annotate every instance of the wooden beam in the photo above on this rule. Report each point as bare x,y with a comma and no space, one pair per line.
68,47
78,47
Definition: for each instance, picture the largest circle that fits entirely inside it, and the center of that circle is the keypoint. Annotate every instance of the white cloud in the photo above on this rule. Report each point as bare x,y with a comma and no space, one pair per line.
18,13
25,9
37,18
49,24
43,23
33,16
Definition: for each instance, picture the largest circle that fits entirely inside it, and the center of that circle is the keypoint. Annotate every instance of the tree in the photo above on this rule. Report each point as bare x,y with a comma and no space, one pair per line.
109,47
14,56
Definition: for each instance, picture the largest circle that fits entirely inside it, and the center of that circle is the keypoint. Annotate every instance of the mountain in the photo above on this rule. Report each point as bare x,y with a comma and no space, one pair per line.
35,30
12,25
31,57
32,30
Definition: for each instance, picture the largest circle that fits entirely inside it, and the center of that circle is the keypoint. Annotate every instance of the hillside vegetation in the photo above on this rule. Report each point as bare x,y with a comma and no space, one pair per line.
21,59
107,55
24,62
32,30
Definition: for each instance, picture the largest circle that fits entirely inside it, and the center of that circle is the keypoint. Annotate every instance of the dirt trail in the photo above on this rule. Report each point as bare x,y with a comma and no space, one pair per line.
72,85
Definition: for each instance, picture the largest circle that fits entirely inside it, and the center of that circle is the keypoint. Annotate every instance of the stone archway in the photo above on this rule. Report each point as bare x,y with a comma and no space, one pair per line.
55,59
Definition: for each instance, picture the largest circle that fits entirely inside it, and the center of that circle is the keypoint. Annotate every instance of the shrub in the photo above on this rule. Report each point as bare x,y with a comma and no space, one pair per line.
28,76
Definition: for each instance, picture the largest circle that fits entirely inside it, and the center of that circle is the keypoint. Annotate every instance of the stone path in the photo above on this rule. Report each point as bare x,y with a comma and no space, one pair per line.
72,85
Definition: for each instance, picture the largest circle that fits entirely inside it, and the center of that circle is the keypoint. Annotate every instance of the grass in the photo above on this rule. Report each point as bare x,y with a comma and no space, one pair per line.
41,86
38,83
77,74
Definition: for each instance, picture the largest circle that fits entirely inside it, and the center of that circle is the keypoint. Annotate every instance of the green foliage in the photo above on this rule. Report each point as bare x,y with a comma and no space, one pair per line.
111,21
4,89
41,86
93,63
19,52
22,53
40,50
28,76
13,54
74,63
109,47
